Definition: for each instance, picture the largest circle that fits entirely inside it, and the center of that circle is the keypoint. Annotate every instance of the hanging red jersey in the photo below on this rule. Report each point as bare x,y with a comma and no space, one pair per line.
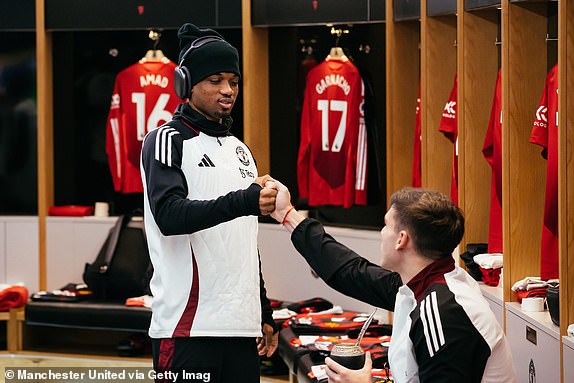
143,99
417,177
492,151
545,134
332,160
448,126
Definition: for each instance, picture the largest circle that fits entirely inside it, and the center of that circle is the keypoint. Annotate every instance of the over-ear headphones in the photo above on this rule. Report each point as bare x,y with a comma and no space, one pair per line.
182,77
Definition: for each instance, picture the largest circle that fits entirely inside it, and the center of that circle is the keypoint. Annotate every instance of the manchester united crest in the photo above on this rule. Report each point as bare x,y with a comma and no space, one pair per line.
242,156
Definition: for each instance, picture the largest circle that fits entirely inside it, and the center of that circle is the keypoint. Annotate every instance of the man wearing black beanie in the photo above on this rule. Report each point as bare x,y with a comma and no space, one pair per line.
202,194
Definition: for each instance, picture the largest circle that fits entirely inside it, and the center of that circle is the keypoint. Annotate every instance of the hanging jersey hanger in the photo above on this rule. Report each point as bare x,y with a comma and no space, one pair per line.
337,52
154,54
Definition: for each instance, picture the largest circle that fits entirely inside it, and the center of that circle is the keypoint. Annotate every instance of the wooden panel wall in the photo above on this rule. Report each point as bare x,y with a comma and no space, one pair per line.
256,89
477,70
524,170
438,67
566,161
403,65
45,133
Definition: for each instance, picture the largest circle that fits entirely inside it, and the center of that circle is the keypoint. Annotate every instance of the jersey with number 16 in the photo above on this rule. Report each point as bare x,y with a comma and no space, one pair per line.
143,99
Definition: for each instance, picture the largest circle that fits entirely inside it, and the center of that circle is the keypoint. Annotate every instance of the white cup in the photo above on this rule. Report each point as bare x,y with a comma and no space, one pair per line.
101,209
533,304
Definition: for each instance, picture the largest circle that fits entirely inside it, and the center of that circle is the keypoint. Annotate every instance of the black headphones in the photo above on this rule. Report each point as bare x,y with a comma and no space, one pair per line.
181,76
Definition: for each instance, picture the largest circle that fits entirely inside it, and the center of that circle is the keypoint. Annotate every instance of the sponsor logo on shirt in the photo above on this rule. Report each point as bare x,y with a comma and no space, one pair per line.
449,110
542,117
246,173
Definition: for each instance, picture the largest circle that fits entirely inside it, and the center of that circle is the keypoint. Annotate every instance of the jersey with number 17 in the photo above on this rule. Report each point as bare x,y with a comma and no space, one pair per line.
332,160
143,99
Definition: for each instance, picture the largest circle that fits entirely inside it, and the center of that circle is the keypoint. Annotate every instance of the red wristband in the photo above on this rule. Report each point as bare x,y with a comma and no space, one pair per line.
286,214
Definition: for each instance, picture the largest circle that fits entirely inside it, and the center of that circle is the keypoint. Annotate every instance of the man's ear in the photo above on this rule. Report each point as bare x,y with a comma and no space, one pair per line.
402,240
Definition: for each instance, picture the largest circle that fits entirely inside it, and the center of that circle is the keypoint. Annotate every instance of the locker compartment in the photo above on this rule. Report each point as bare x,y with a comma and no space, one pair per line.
493,296
535,344
568,358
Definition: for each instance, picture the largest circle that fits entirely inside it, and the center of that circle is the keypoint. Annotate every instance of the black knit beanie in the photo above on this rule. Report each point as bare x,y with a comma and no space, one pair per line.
213,57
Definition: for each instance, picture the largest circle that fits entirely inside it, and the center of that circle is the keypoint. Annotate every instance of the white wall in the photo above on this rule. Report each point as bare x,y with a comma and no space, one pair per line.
288,277
19,251
70,243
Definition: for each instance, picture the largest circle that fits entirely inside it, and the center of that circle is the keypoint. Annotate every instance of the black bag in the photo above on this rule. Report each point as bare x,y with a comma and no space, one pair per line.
473,249
122,268
312,305
552,300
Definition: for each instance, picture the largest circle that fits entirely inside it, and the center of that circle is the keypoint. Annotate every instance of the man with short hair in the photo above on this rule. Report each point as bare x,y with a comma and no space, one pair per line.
202,195
443,328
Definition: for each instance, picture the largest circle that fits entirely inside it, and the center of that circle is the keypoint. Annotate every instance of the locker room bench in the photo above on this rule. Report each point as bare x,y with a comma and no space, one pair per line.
94,325
13,319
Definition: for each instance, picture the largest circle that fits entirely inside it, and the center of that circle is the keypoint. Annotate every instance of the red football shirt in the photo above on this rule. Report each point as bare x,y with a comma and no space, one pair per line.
545,134
492,150
417,177
332,160
143,99
448,126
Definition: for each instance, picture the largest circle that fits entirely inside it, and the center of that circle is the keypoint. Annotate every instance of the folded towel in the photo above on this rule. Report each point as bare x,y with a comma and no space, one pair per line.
13,297
488,260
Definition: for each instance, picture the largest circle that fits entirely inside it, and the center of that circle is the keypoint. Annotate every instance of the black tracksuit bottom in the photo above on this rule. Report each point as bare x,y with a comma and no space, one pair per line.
206,359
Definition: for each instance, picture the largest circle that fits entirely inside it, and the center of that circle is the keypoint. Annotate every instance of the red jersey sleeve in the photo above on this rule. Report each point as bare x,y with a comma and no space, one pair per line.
448,122
113,139
360,173
539,134
492,151
545,134
417,177
449,127
304,146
